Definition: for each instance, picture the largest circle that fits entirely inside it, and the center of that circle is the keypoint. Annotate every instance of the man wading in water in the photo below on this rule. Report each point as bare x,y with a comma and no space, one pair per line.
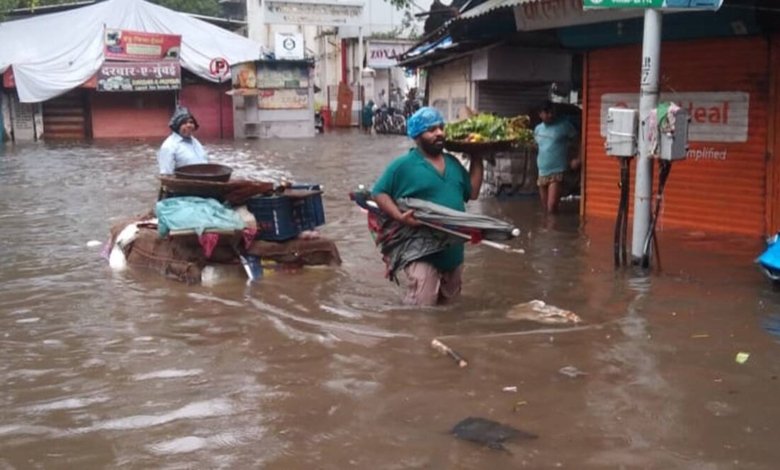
427,173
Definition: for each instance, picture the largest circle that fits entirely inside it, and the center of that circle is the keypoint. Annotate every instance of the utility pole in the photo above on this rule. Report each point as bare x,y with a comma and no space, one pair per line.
648,101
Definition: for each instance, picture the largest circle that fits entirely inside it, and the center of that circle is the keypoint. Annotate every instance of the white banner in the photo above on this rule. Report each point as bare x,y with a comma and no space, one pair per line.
715,116
383,55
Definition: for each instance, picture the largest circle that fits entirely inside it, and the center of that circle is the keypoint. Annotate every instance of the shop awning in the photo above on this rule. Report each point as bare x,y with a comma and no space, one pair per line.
490,5
535,15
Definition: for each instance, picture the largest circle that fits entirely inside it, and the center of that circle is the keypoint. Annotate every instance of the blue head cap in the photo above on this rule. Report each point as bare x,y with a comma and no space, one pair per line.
422,120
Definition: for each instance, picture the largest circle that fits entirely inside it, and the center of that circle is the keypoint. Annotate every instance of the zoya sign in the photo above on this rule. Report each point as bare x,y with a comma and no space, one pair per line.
384,54
715,116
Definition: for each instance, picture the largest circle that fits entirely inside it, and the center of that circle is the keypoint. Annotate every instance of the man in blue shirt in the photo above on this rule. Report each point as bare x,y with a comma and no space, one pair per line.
553,137
427,173
181,148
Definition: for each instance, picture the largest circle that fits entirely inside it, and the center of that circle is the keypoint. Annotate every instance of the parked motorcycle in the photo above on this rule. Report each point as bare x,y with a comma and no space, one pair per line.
319,122
389,120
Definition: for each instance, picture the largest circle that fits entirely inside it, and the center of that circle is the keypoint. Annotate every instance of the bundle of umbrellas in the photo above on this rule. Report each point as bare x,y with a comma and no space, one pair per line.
441,227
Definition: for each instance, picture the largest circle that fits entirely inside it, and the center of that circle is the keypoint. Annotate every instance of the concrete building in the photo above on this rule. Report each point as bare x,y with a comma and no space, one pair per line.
343,37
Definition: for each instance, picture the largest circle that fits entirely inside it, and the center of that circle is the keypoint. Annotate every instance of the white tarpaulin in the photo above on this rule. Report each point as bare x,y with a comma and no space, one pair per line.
54,53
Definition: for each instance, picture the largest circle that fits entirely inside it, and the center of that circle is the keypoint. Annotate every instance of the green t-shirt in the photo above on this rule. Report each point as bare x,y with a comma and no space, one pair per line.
412,175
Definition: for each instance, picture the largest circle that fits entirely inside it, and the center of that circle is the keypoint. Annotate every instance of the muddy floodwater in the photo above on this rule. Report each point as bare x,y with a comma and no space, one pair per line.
324,369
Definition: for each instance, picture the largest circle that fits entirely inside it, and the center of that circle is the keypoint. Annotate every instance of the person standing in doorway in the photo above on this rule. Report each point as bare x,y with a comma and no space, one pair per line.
427,173
554,138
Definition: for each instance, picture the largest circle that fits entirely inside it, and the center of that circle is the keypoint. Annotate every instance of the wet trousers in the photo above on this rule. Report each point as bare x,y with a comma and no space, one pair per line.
427,286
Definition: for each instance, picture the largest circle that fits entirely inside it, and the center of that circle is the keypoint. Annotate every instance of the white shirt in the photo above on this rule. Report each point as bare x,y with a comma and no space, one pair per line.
177,151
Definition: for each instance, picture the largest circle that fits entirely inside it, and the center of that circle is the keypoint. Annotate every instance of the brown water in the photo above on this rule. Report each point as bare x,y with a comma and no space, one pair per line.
324,369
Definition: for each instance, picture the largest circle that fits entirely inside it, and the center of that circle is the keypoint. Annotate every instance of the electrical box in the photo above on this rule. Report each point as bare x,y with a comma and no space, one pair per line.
673,144
621,132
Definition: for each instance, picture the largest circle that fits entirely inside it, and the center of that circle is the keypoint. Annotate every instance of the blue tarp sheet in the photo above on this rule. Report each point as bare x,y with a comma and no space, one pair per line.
195,213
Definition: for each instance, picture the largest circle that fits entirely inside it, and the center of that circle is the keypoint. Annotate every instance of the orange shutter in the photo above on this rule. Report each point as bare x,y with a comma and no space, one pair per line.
724,189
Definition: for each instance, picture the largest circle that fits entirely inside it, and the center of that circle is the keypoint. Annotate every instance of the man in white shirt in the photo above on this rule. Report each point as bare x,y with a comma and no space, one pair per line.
181,148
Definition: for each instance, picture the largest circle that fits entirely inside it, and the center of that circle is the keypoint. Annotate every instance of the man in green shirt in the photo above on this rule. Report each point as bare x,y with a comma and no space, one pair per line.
427,173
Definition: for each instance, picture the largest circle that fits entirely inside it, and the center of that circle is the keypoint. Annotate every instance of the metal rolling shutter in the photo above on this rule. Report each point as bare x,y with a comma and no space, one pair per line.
721,196
65,117
773,172
449,88
510,98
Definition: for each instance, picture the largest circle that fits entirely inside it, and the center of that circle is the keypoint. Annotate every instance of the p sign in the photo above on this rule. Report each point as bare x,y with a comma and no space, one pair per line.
219,68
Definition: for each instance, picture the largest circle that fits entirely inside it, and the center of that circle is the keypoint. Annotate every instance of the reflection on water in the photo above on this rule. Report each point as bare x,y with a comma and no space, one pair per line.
324,368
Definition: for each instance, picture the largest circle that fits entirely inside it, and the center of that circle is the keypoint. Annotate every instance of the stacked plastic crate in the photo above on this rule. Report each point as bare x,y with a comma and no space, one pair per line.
284,216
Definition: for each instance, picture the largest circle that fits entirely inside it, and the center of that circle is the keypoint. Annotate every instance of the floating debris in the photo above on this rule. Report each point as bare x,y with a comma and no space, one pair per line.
540,312
444,349
571,371
742,357
489,433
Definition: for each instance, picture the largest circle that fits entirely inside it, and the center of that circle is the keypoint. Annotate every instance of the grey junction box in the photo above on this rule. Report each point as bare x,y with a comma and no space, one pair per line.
621,132
674,144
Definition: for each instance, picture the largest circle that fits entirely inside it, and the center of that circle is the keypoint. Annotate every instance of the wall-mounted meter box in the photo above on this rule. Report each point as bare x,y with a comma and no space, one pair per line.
621,132
674,145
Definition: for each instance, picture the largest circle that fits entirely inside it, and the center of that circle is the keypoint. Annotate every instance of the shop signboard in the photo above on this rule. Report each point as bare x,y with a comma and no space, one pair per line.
719,116
283,98
384,54
659,4
549,14
244,75
124,45
139,76
282,75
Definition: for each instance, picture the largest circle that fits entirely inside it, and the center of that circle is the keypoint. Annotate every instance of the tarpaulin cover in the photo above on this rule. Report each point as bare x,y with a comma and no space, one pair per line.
770,258
57,52
195,213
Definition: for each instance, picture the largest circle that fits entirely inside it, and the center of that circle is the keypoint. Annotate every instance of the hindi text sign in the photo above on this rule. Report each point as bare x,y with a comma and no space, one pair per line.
139,76
283,98
126,45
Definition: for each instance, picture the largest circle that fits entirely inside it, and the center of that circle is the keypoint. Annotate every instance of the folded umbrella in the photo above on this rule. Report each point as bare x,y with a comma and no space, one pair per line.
441,228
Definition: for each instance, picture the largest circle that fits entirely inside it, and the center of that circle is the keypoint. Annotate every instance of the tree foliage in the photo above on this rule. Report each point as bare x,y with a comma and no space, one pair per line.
400,4
201,7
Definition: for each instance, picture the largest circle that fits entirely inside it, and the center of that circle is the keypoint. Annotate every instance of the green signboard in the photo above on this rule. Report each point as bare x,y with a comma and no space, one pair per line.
661,4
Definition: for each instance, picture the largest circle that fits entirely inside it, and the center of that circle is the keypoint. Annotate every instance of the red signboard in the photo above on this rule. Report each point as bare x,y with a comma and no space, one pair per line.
8,78
136,45
139,76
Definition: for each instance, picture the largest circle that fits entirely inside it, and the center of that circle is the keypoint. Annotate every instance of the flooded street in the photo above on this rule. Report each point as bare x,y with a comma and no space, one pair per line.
324,369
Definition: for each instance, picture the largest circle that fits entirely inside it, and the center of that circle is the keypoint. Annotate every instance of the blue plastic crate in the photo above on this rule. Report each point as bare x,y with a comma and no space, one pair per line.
277,217
313,214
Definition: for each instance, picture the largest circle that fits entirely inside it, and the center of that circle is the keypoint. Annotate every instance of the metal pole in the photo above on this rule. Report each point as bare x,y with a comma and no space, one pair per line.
360,71
648,100
359,59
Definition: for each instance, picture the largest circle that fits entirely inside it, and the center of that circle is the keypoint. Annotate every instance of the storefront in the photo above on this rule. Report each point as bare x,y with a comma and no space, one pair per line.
450,88
724,183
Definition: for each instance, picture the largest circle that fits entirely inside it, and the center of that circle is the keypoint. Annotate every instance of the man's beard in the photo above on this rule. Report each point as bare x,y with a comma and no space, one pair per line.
433,148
